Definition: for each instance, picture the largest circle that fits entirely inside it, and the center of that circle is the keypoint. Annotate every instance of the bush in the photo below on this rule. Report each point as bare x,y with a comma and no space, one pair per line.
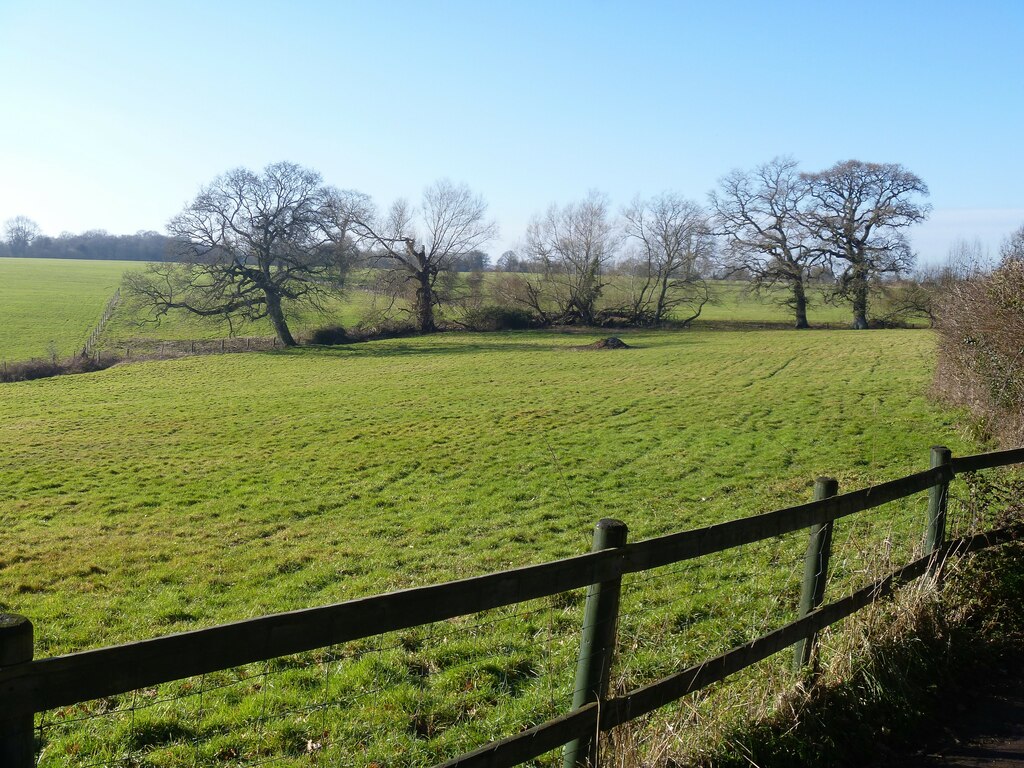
330,335
491,317
981,354
382,328
30,370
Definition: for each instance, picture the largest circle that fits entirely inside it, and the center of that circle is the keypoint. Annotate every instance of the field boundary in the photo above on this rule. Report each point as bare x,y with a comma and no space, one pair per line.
108,311
30,686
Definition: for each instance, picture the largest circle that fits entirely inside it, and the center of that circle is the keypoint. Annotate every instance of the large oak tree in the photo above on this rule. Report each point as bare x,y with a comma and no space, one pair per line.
859,211
249,243
761,215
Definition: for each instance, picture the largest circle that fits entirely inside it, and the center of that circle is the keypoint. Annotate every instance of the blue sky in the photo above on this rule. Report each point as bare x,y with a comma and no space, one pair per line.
114,114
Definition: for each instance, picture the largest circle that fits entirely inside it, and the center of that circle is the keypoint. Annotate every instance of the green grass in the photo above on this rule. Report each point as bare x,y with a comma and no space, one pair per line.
132,323
170,495
732,302
51,305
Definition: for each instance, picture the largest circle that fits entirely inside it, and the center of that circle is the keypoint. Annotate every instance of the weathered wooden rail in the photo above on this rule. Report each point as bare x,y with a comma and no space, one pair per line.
29,686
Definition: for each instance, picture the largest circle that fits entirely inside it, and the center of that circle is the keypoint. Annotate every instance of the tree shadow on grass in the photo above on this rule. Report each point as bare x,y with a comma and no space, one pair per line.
556,342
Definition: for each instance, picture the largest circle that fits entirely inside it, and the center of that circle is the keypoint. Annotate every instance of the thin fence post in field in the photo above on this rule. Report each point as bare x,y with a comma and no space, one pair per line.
812,592
597,643
938,496
17,748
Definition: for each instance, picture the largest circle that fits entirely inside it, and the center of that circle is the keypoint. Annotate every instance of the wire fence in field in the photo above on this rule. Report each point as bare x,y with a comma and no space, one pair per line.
724,597
97,331
413,697
129,349
420,696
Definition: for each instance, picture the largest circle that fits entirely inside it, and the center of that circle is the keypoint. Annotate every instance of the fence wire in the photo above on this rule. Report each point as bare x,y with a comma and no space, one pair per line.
420,696
414,697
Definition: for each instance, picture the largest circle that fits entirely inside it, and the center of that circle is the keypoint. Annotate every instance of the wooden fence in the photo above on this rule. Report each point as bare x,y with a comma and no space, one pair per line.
29,686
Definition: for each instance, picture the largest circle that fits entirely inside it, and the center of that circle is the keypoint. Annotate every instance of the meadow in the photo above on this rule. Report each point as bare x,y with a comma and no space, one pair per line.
163,496
49,306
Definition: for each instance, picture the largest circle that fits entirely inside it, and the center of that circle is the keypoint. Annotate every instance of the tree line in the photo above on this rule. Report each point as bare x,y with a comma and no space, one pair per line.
252,244
23,238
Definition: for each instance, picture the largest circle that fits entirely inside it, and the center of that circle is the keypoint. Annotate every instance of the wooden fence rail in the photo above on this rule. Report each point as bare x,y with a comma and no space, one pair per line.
29,686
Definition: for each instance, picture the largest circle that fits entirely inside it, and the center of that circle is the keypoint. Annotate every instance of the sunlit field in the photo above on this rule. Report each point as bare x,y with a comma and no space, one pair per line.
49,306
163,496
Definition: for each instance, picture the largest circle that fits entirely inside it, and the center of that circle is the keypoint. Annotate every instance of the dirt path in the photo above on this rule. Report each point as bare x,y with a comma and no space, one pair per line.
980,727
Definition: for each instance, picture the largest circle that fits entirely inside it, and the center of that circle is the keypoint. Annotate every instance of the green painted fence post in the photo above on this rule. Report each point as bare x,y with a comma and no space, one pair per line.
17,749
938,496
597,644
819,549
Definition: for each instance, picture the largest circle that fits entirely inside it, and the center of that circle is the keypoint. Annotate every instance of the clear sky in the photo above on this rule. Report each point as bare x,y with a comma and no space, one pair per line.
115,113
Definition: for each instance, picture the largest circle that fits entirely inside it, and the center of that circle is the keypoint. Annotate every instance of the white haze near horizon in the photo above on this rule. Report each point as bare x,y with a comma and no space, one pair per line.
933,239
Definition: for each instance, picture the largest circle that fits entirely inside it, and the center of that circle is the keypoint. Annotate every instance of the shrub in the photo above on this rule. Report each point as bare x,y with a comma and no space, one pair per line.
382,328
30,370
491,317
330,335
981,354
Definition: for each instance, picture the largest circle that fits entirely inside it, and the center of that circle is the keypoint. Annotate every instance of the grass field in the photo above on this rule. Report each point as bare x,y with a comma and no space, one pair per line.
49,305
163,496
732,302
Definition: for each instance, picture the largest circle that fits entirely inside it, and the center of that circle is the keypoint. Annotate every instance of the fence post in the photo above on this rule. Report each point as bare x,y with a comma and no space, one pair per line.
597,643
938,495
17,748
819,549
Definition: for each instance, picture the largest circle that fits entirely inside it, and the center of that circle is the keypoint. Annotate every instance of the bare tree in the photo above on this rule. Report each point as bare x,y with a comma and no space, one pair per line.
966,258
1012,247
19,233
672,238
760,213
454,225
859,211
250,242
574,246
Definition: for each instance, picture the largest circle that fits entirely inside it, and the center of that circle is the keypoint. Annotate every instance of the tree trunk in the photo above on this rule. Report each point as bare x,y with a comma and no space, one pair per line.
659,311
800,303
858,292
860,305
425,304
277,318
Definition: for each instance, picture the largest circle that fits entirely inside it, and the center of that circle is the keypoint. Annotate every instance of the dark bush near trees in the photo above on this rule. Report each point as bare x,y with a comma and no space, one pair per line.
40,368
981,361
494,318
330,335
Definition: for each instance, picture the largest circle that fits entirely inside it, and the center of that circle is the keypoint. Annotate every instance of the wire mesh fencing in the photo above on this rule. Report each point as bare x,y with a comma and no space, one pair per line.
414,697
